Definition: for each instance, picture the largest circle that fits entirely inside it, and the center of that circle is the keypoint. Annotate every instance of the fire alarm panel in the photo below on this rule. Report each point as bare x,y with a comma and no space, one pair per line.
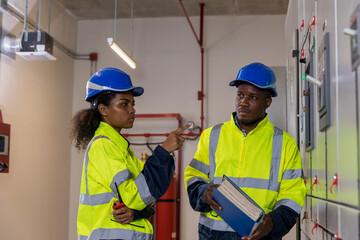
4,146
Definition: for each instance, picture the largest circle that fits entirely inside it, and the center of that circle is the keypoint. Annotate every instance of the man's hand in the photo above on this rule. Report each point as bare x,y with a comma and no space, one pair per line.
175,141
264,230
123,215
208,198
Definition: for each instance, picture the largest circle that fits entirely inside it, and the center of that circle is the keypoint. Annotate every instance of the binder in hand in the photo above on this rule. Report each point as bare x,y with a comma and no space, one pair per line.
239,211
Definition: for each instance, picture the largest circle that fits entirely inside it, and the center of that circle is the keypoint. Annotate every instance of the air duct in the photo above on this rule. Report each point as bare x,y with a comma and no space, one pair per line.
35,46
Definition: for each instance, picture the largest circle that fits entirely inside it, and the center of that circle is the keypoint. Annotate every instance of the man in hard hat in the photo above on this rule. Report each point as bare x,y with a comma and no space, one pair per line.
261,159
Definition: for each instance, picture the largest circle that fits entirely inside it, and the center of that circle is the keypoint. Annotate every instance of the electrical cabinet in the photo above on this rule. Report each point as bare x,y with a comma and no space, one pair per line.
328,113
348,100
355,39
349,222
332,217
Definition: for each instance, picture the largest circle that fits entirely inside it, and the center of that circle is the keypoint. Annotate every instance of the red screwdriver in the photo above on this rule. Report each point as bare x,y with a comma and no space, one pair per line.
118,204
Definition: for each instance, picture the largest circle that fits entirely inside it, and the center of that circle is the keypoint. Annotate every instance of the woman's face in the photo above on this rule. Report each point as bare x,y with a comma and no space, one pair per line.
121,112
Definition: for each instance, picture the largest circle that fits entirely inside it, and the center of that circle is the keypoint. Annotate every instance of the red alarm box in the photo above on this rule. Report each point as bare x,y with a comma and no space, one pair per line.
4,146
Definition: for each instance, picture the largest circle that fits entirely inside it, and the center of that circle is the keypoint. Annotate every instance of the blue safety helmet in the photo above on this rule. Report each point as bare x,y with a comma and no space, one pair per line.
258,75
110,79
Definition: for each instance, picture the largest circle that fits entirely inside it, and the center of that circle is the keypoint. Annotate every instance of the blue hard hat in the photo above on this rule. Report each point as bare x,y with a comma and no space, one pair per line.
258,75
110,79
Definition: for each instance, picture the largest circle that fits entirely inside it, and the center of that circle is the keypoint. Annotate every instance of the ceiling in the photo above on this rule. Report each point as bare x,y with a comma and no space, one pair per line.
104,9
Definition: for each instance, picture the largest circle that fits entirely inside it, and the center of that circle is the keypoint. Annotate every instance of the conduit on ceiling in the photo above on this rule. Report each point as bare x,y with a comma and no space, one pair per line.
13,11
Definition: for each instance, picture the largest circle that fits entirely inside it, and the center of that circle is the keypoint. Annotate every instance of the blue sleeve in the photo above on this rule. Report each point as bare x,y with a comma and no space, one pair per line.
196,193
145,213
158,171
284,219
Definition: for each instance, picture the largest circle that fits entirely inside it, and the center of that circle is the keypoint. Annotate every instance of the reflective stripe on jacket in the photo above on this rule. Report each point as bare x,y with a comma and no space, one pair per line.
109,160
266,164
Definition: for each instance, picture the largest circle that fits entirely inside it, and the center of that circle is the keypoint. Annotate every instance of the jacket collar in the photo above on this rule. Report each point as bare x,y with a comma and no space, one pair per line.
108,131
260,125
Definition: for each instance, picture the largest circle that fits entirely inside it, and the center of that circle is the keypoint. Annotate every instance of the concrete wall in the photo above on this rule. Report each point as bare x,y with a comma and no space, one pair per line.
36,99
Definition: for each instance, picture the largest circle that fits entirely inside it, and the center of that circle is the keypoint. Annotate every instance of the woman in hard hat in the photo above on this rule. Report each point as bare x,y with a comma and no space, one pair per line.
111,171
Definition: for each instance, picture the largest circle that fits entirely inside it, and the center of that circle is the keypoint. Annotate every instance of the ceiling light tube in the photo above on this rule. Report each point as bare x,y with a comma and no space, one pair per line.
121,53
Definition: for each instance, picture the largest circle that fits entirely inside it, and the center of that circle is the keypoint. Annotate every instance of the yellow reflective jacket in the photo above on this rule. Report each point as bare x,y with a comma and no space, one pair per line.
109,160
266,164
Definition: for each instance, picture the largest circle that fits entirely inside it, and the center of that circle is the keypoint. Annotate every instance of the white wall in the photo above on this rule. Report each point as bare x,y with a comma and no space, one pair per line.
168,67
36,99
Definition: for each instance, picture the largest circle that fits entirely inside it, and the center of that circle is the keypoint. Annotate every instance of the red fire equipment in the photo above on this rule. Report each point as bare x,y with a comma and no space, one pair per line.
165,227
4,146
175,185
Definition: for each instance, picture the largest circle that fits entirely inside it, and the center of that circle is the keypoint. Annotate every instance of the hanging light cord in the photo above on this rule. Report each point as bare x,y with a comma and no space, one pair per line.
132,28
24,32
39,19
115,20
49,16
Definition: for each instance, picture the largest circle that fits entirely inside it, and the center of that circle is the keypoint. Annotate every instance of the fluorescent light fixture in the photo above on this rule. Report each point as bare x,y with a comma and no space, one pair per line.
121,53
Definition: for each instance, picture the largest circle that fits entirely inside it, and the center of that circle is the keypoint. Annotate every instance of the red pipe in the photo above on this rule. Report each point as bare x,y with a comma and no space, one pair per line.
202,5
200,42
159,115
178,190
187,18
147,135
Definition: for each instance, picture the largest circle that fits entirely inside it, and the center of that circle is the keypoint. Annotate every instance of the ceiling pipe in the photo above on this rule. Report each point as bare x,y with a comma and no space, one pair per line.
200,42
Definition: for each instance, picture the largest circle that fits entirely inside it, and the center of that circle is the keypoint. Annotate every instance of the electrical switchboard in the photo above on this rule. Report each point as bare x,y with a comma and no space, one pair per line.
329,115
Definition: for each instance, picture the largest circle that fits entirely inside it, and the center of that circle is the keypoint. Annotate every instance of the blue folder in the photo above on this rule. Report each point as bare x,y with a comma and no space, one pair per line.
233,215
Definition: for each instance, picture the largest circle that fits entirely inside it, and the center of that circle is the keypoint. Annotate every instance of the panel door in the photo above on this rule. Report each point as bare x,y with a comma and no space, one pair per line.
347,114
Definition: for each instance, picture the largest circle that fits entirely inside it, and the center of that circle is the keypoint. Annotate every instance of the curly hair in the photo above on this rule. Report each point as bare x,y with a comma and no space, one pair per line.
86,121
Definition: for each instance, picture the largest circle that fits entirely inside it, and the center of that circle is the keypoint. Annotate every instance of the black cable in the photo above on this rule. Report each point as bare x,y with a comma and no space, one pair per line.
195,137
148,145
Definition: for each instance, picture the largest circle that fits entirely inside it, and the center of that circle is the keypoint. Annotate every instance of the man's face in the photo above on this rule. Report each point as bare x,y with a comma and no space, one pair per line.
251,103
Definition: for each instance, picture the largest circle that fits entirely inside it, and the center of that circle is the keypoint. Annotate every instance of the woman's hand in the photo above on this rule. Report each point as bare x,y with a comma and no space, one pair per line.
175,141
123,215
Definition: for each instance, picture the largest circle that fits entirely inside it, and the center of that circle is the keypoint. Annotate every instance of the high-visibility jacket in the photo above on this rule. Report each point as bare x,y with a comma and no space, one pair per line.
266,164
109,160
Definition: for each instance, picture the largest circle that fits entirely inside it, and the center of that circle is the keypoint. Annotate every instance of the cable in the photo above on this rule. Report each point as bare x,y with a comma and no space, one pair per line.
49,16
195,137
39,19
132,29
148,145
115,20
